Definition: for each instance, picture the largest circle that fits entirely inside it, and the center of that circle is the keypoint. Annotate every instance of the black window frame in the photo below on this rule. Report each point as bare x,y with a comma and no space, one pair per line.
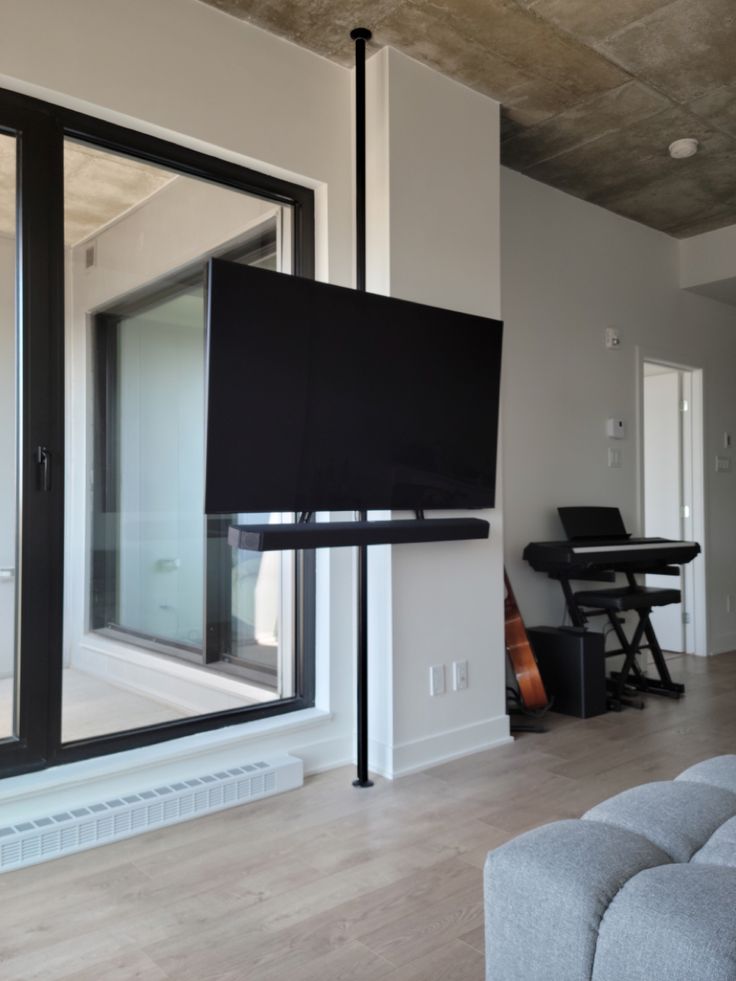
42,128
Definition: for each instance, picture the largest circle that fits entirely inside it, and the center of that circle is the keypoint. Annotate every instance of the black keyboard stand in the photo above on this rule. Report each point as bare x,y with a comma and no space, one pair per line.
623,685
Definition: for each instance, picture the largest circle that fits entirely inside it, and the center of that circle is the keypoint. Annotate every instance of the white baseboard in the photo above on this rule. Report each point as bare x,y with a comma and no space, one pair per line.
723,644
415,755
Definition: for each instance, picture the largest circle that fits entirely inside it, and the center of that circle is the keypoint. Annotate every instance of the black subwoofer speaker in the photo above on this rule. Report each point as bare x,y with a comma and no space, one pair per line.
573,667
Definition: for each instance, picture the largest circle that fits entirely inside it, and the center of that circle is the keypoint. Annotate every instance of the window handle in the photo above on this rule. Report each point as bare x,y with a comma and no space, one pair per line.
43,462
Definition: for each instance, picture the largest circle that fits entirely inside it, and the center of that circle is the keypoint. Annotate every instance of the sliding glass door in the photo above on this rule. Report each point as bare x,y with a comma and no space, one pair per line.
125,617
31,437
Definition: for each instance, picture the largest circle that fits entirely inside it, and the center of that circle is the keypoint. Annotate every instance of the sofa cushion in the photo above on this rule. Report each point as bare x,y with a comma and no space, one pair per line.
720,848
676,816
718,772
674,922
545,894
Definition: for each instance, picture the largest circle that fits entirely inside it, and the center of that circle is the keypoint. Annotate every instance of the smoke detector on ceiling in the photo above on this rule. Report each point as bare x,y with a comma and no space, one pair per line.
681,149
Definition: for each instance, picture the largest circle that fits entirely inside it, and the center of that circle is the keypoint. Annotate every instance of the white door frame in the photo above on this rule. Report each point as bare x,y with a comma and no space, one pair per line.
697,630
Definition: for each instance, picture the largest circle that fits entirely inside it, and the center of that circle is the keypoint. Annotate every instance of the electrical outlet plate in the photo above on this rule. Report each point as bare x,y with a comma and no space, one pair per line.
459,675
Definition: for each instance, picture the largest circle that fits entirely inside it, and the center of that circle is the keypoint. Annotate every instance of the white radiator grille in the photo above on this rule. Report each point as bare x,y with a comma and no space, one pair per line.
70,831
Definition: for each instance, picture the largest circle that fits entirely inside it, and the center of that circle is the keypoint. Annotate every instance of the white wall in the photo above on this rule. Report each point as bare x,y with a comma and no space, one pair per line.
434,237
708,264
569,271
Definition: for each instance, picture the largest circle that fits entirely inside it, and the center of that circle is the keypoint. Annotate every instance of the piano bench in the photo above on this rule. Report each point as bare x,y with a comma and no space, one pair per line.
628,598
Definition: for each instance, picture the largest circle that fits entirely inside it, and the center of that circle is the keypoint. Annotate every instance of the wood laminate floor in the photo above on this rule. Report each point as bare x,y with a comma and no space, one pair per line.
330,882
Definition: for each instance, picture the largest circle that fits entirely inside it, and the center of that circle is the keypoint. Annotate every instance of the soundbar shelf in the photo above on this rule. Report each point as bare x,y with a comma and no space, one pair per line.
338,534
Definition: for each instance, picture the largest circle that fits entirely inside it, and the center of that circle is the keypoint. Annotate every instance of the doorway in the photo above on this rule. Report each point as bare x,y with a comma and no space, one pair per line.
672,493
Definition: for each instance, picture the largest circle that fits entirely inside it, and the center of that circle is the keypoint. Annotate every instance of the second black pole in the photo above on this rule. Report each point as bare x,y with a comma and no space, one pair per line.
360,35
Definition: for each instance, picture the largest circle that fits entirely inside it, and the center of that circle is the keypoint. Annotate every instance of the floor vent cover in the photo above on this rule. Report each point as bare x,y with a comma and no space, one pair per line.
30,842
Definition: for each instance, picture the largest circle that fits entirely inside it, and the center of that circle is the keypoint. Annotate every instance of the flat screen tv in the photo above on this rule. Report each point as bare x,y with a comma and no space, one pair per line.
321,398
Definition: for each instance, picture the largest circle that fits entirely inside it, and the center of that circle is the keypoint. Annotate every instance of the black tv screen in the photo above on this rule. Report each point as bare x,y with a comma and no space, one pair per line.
322,398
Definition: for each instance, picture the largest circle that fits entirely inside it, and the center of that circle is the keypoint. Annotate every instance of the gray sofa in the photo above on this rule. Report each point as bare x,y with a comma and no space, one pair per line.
642,888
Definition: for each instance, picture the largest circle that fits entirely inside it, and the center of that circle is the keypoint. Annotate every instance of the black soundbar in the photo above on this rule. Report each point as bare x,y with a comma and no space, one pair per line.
337,534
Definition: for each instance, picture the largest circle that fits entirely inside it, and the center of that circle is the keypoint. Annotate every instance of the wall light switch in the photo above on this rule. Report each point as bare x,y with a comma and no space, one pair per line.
437,679
614,457
723,464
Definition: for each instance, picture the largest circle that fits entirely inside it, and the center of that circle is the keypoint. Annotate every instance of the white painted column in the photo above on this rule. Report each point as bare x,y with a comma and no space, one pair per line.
433,237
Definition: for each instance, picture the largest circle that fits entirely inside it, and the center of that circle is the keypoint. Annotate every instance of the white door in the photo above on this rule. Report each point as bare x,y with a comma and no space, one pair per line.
663,481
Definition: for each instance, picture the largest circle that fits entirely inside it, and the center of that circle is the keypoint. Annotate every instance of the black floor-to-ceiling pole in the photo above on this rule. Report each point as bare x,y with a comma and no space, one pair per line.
360,35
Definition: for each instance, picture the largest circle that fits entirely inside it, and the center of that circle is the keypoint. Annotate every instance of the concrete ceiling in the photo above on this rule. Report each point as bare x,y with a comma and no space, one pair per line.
593,91
98,188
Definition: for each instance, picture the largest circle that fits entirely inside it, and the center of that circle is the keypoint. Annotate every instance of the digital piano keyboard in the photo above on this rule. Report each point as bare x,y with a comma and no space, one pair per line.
610,555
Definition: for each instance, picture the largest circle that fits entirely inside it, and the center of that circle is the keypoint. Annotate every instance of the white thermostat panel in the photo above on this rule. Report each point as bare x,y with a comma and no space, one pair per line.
615,428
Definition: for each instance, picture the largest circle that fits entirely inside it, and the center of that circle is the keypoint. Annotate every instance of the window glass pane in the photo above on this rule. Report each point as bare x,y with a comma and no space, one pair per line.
261,595
164,620
160,449
8,440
